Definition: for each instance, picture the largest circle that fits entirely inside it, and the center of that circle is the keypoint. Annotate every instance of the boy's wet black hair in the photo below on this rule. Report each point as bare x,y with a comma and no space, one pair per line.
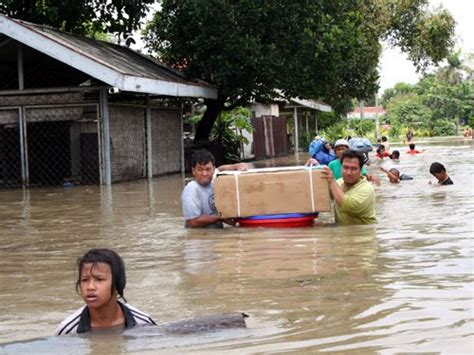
395,171
384,138
351,154
411,146
202,157
395,154
109,257
437,168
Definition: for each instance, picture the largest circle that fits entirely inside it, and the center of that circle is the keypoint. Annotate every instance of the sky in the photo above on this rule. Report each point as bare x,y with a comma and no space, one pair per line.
394,65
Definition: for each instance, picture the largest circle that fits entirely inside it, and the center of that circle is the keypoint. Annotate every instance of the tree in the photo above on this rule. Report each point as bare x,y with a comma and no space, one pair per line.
88,17
327,49
437,103
409,111
400,88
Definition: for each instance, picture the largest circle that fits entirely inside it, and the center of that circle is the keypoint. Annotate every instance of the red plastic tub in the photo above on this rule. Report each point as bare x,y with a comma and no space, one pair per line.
286,222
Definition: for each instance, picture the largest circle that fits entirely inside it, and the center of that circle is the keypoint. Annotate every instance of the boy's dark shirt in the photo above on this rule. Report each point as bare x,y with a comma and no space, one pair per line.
448,181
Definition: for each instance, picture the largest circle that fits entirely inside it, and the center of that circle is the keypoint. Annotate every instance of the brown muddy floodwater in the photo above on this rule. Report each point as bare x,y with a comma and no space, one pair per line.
404,285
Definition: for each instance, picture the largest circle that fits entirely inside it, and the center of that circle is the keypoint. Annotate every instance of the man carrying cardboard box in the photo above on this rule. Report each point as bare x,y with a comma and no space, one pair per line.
354,196
197,198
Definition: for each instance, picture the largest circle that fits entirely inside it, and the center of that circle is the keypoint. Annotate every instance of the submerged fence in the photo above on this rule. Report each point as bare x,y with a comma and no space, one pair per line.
49,144
44,143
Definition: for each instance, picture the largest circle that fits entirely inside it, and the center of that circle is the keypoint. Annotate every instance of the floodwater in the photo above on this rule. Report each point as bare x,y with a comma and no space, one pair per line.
404,285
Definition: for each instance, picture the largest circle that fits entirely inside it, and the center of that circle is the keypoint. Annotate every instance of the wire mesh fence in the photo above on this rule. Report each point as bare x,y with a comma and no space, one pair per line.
10,164
47,145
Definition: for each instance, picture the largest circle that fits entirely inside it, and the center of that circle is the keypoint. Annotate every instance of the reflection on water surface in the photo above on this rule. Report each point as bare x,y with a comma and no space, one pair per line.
404,285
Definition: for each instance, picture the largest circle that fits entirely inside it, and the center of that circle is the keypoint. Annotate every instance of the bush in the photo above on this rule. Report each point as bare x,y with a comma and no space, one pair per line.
305,139
335,132
423,132
470,122
361,128
395,130
227,131
444,128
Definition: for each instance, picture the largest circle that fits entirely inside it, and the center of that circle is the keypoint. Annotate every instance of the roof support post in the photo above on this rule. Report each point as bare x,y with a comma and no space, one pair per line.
149,150
25,178
105,133
295,117
315,121
376,117
307,121
21,78
22,120
183,161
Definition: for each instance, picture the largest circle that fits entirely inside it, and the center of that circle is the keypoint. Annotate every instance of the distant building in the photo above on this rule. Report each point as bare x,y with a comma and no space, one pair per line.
369,112
279,125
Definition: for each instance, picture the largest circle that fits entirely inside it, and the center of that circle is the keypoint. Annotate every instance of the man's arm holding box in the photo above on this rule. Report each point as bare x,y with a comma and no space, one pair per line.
335,189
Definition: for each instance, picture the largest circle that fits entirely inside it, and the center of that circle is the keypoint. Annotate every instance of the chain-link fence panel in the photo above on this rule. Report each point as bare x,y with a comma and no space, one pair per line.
10,148
58,139
62,145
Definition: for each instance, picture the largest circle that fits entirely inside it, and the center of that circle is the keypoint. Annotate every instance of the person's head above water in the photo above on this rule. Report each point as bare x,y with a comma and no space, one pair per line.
384,138
101,281
395,155
436,168
352,163
203,166
327,146
107,262
439,172
352,154
411,146
340,147
394,175
202,157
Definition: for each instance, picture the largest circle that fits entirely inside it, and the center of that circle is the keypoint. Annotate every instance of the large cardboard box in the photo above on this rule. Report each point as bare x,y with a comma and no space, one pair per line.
271,191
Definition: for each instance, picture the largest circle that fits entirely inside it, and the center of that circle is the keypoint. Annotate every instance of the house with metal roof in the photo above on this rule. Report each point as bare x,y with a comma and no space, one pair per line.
79,110
278,126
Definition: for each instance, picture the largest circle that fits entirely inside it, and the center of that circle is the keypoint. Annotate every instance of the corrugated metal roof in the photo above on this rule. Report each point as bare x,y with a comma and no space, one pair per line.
314,104
113,64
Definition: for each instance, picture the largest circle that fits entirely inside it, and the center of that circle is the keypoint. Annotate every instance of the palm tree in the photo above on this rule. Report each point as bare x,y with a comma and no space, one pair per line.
454,72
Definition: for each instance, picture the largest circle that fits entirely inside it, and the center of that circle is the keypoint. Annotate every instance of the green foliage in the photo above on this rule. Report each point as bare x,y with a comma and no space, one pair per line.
326,119
81,17
335,132
436,104
400,88
228,130
409,111
471,122
444,128
247,49
305,139
427,37
360,127
395,130
325,49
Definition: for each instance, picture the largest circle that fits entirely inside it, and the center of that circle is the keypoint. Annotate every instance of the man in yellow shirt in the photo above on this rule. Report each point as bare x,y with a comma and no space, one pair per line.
354,196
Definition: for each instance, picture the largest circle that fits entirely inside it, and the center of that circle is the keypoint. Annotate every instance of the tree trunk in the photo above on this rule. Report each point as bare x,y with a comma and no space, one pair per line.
203,130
